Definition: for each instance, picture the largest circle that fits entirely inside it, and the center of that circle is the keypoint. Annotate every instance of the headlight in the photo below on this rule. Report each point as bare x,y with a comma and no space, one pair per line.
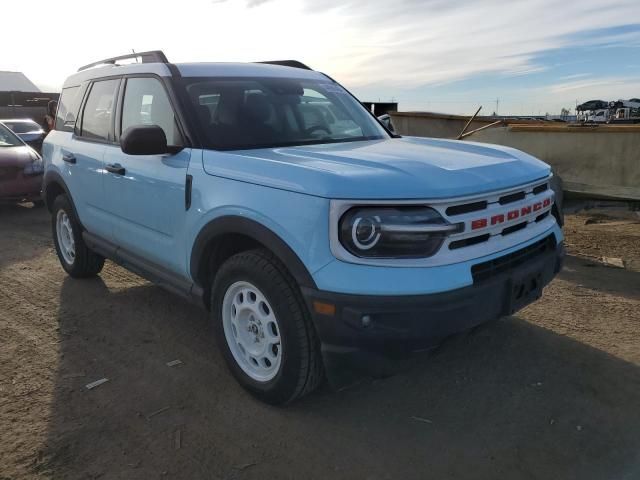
394,232
34,168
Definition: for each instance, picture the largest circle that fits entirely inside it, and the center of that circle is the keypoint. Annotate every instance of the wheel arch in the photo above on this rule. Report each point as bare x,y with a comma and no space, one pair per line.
54,185
227,235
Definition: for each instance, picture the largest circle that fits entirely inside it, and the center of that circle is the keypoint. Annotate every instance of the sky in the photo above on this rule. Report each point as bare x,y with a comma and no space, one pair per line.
518,57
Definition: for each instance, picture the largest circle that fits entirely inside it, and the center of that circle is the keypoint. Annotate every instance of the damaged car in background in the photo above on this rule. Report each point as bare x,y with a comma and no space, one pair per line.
28,130
21,169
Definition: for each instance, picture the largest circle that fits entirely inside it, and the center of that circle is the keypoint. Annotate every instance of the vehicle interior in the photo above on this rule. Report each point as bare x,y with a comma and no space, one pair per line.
260,113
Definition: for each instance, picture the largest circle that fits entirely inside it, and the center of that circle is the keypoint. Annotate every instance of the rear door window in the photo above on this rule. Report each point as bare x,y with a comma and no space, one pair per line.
68,105
98,110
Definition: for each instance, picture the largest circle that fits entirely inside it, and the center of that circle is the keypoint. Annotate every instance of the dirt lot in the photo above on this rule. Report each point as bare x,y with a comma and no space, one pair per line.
552,393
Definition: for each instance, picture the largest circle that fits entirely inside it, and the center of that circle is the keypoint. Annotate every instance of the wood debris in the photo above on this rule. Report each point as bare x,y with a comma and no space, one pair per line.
613,262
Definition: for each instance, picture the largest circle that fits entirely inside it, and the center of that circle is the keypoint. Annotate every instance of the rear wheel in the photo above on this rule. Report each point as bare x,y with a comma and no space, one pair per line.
75,257
264,329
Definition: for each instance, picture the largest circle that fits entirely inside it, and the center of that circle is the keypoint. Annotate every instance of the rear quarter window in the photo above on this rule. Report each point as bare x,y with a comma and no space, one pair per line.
68,109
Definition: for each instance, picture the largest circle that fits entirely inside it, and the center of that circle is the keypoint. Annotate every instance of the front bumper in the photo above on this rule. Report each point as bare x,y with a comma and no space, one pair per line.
21,187
367,333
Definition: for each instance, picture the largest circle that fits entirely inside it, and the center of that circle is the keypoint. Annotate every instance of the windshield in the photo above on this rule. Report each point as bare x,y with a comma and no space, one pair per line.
243,113
23,127
8,138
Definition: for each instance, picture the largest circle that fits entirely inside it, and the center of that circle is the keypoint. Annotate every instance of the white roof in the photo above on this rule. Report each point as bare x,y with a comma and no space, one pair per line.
16,82
244,70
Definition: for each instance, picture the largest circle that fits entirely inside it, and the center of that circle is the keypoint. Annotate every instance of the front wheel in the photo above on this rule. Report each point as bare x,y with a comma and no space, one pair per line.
75,257
264,329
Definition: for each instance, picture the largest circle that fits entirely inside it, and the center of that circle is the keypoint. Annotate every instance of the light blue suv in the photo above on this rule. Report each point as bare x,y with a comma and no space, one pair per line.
320,242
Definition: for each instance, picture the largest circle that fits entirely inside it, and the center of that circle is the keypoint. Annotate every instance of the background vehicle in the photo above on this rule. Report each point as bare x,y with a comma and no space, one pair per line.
20,169
268,194
28,130
598,116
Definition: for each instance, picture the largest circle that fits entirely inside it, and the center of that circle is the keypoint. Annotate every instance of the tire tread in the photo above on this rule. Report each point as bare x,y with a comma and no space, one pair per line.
311,375
87,263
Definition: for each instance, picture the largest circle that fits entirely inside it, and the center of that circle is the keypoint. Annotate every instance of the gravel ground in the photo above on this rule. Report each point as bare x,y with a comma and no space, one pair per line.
553,392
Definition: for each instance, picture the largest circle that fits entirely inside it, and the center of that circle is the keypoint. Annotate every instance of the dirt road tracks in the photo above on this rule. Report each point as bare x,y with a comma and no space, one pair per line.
551,393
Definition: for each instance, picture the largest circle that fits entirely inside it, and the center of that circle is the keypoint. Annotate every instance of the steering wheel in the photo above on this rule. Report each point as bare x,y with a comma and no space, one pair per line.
312,129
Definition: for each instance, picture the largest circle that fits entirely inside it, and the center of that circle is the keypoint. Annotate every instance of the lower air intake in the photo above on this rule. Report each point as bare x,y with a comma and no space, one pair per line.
486,270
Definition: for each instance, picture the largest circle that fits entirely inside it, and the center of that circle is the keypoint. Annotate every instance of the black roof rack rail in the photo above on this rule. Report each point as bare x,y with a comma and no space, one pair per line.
288,63
153,56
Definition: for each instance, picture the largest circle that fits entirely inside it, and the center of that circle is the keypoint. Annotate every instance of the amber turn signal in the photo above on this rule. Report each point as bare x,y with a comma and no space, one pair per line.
324,308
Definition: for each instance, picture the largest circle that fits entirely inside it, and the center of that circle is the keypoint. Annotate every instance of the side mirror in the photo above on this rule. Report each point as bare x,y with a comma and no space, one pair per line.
386,121
144,140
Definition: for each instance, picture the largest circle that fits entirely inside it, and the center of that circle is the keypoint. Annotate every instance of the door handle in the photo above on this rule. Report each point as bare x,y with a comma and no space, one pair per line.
115,168
69,158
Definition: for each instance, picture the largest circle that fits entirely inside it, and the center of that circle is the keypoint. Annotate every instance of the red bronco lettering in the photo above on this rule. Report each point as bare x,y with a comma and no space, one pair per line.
510,215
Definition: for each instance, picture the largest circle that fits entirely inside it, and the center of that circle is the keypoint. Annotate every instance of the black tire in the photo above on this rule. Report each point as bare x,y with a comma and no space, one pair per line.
301,369
85,263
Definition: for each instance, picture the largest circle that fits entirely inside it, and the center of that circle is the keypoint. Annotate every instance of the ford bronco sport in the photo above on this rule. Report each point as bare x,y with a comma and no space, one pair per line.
265,192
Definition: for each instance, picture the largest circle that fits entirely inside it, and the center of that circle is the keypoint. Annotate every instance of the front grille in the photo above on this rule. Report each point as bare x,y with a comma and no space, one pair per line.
466,208
486,270
514,228
513,197
466,242
542,216
540,188
503,200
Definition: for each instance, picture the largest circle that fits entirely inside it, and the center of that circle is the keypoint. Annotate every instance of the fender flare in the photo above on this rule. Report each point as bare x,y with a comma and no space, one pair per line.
243,226
54,177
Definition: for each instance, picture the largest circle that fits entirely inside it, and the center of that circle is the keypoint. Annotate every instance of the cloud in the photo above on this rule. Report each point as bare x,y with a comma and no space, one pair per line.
249,3
403,48
414,43
575,75
624,86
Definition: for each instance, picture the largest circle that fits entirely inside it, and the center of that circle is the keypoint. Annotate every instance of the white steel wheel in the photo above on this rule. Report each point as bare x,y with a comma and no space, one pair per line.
252,331
66,241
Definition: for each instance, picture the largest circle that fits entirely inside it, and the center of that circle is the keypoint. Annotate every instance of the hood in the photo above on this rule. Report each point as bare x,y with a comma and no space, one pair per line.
19,156
31,136
396,168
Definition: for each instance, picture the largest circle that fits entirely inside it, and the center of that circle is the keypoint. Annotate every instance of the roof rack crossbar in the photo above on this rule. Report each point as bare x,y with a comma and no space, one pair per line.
288,63
153,56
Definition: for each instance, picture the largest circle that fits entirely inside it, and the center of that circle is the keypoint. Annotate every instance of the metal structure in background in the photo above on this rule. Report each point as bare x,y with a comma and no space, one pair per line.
381,108
25,104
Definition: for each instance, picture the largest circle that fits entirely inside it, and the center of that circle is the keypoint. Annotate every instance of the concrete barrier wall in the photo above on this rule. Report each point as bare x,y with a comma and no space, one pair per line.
601,161
425,124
